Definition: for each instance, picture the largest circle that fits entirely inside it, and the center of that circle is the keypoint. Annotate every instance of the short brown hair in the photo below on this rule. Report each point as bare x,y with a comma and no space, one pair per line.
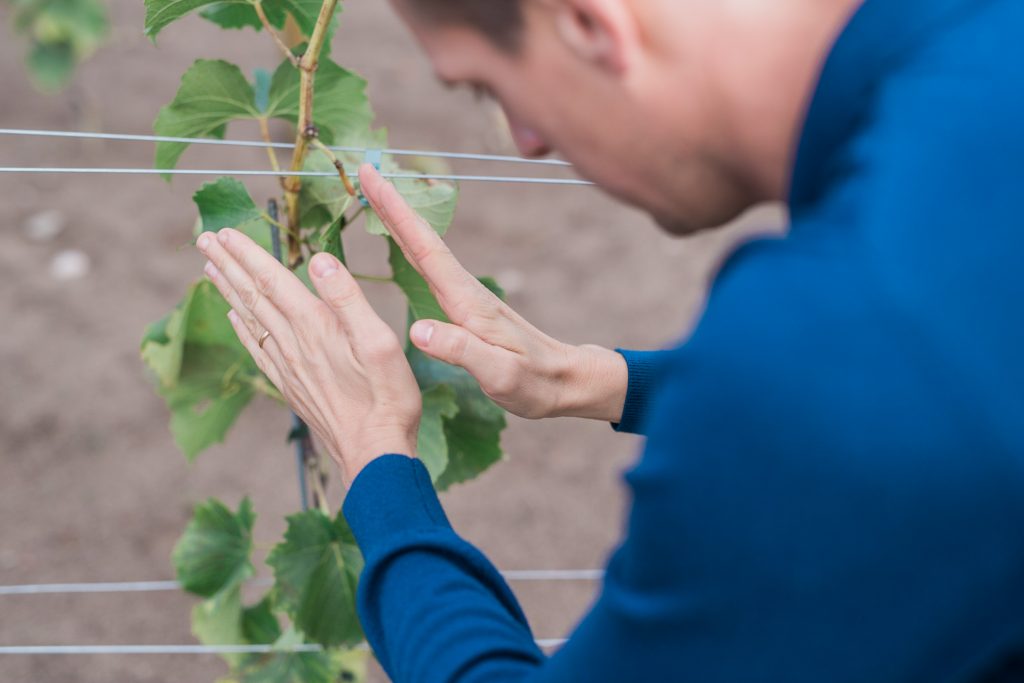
500,20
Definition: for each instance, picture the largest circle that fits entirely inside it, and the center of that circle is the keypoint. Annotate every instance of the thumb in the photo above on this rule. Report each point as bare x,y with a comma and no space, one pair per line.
453,345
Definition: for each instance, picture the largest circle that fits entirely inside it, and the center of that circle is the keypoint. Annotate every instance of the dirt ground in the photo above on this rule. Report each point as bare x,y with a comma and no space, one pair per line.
92,487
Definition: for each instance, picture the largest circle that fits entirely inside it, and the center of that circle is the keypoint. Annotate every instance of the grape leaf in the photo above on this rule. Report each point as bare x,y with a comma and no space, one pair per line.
259,625
226,203
235,15
218,621
290,667
431,444
421,301
433,200
204,373
473,434
316,569
160,13
63,33
322,199
330,240
212,556
212,93
340,105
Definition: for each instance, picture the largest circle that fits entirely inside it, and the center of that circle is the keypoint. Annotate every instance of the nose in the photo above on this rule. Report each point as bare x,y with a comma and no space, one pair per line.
528,141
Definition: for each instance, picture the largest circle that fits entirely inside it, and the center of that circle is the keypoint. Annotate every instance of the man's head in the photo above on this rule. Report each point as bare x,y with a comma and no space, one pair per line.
689,109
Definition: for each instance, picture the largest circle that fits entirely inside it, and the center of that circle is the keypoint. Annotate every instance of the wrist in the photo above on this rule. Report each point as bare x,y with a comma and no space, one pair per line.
360,452
595,385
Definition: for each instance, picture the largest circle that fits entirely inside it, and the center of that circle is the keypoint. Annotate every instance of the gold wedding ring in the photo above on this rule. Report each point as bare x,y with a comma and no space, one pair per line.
263,338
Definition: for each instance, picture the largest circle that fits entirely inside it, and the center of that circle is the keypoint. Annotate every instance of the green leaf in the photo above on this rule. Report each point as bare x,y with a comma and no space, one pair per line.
51,65
330,240
316,569
340,106
160,13
235,15
421,301
218,621
290,667
431,443
62,33
212,93
212,555
322,199
433,200
225,204
259,624
474,433
205,374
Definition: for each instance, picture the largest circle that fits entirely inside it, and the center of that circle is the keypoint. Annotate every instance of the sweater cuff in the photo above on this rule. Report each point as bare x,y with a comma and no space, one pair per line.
642,374
391,496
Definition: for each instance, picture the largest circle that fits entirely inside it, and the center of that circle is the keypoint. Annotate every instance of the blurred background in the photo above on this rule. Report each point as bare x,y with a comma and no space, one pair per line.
92,488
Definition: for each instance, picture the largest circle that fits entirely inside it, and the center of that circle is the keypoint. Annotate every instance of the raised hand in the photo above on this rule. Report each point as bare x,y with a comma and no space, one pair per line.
340,367
522,369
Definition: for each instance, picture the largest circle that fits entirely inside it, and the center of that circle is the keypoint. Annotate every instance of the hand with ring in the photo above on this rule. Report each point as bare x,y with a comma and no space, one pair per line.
340,367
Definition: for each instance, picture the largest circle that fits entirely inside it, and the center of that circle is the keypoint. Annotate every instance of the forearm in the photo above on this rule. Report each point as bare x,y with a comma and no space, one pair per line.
432,606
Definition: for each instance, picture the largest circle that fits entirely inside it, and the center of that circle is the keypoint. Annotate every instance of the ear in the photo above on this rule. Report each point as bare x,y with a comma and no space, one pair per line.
602,32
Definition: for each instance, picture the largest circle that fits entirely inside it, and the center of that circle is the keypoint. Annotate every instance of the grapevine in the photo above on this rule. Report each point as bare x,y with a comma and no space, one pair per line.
207,378
60,35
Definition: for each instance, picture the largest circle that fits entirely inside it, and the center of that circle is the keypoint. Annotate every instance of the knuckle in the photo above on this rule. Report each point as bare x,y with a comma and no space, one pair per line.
503,384
457,347
265,282
341,297
289,355
380,348
249,297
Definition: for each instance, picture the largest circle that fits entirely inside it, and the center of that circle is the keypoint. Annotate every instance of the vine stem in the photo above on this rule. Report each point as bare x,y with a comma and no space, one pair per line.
307,66
265,134
340,167
289,55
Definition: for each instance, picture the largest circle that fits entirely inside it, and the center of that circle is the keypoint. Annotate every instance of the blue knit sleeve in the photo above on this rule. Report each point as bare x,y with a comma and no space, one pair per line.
432,606
644,370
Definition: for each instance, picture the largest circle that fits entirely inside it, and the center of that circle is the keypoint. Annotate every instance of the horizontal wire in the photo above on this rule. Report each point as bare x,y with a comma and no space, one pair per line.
524,575
185,649
293,174
276,145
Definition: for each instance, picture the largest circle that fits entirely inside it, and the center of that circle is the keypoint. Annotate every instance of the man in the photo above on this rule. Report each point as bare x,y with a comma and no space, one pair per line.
833,483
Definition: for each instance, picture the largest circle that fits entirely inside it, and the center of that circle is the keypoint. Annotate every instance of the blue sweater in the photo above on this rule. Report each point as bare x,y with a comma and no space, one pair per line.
832,488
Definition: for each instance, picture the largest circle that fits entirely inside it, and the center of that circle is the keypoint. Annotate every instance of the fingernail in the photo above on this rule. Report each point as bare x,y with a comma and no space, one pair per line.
421,332
232,316
211,270
324,265
222,236
203,241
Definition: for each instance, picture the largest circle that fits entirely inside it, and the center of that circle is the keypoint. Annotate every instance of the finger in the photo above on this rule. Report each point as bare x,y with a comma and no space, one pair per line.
267,318
245,295
422,246
251,344
457,346
279,286
342,294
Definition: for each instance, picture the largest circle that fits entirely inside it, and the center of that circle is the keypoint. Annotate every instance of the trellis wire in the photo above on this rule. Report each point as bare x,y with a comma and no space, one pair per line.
296,174
187,649
275,145
521,575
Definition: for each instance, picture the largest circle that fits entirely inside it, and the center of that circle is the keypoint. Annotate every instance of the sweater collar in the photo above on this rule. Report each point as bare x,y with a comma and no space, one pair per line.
881,35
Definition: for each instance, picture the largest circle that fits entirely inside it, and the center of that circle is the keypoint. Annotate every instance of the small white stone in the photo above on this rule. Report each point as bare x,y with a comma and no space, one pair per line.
45,226
69,264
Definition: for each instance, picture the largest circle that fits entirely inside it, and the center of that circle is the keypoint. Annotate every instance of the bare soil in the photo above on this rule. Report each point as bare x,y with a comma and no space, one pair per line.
92,487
